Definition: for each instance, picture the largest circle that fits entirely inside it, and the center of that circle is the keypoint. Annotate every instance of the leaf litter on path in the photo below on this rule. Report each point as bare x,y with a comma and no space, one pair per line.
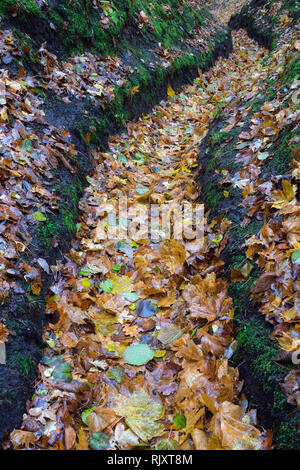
135,364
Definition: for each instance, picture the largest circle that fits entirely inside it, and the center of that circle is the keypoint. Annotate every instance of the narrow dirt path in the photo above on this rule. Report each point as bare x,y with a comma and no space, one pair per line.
139,354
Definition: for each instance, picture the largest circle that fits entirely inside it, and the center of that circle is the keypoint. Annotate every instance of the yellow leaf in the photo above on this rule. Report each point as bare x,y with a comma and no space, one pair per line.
82,441
160,353
141,413
121,284
170,92
20,246
86,282
288,189
134,90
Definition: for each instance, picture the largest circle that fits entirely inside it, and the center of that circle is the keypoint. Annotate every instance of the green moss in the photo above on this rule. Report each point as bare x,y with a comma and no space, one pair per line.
214,160
69,219
265,370
287,437
33,299
25,7
22,361
70,191
253,340
292,69
78,24
281,152
252,228
279,399
28,58
77,21
240,291
14,325
46,231
220,137
63,224
212,195
169,24
59,226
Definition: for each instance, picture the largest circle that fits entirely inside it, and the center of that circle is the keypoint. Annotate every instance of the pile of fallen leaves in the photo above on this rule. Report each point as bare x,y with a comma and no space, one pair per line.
139,354
31,149
83,76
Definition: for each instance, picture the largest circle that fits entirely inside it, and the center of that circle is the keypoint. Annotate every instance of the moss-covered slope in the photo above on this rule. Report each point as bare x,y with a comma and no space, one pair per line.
73,25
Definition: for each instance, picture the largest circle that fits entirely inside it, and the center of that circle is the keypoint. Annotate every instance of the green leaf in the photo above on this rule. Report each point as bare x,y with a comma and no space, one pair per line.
139,158
131,296
88,271
173,445
138,354
161,445
179,421
99,441
296,256
218,239
106,286
115,373
142,190
27,145
117,267
122,158
86,413
39,216
114,17
62,371
263,155
78,69
167,445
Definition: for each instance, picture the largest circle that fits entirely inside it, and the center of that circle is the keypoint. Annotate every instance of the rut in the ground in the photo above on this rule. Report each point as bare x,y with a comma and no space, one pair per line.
139,354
